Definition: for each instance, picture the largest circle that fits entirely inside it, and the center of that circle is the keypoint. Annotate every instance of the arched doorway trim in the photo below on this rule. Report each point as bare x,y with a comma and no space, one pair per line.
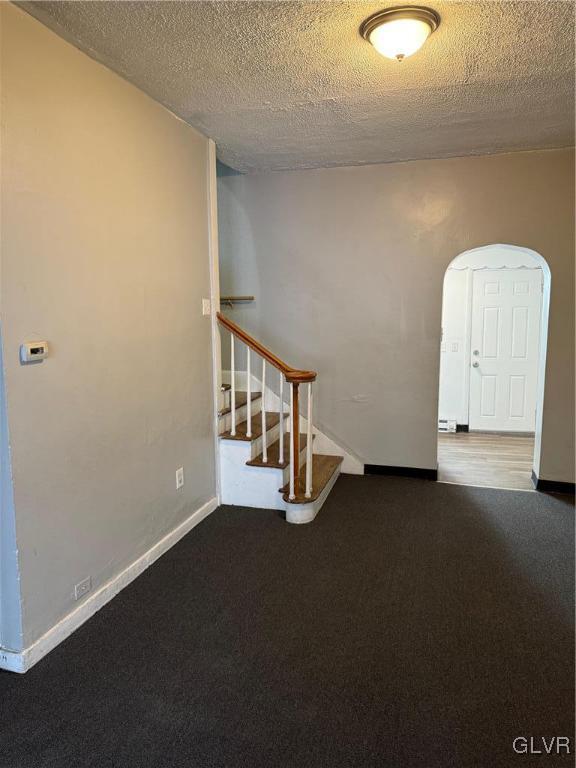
514,257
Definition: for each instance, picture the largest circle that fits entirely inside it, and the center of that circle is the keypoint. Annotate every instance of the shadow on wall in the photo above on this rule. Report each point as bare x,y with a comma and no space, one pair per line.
223,170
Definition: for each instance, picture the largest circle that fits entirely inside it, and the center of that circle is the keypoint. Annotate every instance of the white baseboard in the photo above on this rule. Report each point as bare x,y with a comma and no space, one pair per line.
22,661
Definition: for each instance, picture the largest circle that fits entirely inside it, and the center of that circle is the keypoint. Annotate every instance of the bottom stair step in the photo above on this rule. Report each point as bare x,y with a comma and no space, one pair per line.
323,467
274,454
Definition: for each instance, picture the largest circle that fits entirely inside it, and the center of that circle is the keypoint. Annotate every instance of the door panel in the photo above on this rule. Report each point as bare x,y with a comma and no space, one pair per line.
517,397
488,396
505,337
519,332
491,332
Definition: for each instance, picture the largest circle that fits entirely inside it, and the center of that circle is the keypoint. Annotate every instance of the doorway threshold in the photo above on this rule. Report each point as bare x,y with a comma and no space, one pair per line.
487,487
486,460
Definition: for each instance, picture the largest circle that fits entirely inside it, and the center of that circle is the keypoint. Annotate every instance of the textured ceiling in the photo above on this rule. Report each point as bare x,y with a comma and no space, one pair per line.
293,85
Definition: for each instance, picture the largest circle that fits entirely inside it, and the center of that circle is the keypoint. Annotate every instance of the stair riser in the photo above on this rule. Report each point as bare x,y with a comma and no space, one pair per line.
225,399
286,470
271,436
225,421
256,445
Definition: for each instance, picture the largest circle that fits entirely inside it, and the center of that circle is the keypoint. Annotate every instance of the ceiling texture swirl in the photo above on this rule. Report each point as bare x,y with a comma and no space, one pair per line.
289,85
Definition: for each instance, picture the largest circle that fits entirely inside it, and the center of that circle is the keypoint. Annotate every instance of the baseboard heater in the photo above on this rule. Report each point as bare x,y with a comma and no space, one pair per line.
382,469
450,425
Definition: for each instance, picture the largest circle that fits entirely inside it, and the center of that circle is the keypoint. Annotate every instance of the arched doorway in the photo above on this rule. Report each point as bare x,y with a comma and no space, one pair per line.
492,366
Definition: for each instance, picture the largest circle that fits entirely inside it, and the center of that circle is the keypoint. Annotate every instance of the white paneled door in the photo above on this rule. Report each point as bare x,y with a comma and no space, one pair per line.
505,341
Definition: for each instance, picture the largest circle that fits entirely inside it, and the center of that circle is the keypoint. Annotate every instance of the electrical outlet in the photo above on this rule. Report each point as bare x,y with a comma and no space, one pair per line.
179,478
82,588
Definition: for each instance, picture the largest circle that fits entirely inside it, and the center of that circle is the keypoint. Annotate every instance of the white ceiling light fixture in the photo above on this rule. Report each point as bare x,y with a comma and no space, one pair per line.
399,32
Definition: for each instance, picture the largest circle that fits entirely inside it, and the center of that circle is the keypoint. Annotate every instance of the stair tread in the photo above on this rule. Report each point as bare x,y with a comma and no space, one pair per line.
272,419
274,454
323,467
241,400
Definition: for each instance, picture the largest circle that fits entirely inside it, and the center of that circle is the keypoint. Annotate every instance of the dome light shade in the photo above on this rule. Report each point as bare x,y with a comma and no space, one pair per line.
400,32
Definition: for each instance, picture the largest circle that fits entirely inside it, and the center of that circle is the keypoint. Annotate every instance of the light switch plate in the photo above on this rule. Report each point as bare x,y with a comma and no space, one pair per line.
205,306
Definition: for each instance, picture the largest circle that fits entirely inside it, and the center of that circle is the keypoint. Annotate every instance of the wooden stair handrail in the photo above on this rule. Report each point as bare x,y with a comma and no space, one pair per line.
292,375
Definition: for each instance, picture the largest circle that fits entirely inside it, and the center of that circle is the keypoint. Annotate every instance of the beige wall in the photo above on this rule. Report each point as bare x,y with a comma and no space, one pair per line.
347,266
105,254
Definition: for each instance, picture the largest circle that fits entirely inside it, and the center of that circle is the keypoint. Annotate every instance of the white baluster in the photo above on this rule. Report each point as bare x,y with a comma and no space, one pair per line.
309,445
232,387
281,446
291,494
264,444
248,395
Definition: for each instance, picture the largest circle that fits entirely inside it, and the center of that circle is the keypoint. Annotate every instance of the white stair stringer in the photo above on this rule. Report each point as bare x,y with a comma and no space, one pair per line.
245,486
248,486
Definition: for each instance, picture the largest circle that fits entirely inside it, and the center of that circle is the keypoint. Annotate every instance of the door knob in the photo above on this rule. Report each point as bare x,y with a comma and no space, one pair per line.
475,364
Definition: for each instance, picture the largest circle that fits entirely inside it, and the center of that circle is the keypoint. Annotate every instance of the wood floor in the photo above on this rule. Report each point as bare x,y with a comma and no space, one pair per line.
498,461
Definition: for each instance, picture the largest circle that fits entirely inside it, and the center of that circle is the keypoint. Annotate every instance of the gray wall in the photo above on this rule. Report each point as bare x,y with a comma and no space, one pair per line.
104,254
347,265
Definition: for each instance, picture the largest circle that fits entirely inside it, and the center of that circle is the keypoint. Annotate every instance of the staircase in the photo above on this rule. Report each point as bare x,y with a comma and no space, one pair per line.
266,446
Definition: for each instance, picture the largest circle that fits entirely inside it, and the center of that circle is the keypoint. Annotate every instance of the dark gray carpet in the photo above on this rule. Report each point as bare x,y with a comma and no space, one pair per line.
412,624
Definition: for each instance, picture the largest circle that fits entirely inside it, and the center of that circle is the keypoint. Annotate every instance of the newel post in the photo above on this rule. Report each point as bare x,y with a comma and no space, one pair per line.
295,436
